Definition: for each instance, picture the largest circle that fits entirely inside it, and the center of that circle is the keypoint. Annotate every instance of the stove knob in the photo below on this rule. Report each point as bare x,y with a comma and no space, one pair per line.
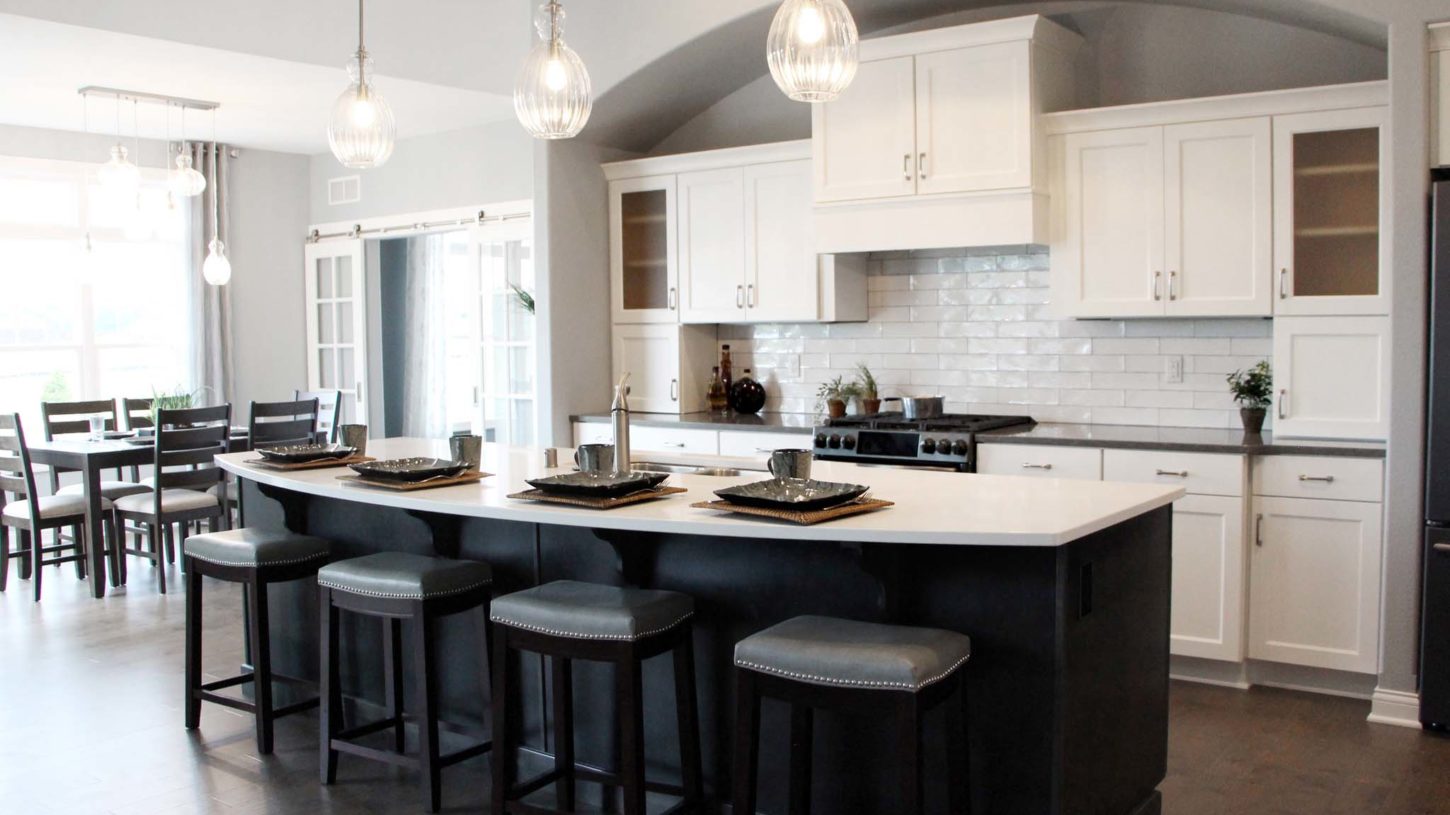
849,442
928,446
820,439
959,447
834,441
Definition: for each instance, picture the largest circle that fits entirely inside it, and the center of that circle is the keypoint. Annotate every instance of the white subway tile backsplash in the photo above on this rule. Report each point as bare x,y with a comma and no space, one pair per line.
975,325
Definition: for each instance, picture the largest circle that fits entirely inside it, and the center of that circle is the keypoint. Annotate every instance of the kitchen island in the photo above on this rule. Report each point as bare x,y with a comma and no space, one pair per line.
1062,585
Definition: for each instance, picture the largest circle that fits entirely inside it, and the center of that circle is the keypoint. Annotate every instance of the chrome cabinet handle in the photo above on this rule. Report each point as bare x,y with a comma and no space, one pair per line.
672,444
1326,479
1283,283
1030,466
674,390
740,297
1443,548
906,166
750,296
1157,285
921,165
1259,531
673,299
1174,473
1282,394
1172,285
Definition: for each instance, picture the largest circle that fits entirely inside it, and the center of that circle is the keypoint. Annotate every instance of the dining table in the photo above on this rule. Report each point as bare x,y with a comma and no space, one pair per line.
89,457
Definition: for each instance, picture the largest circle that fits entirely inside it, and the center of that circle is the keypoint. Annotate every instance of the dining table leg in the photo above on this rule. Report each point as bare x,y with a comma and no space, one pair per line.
95,530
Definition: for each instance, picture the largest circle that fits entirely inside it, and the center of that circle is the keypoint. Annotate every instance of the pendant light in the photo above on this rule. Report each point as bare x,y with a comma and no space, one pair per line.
119,174
813,49
183,180
216,269
362,129
552,95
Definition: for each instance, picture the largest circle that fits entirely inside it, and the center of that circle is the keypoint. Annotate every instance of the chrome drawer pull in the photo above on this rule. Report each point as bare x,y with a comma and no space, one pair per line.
1443,548
673,443
1327,479
1259,531
1177,474
1029,466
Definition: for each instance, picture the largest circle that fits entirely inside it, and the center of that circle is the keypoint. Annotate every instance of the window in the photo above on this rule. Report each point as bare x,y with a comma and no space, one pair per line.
96,286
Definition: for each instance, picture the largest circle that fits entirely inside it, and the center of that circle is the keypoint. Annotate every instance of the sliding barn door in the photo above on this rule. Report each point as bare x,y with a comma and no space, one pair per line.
337,337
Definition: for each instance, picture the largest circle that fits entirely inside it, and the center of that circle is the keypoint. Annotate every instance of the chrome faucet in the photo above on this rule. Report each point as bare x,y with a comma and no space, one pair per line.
619,422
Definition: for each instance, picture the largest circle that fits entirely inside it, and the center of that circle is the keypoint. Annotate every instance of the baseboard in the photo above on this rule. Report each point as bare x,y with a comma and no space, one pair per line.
1395,707
1208,672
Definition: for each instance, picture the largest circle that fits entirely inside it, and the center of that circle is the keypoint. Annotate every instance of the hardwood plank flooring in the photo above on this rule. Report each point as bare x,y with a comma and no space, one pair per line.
91,722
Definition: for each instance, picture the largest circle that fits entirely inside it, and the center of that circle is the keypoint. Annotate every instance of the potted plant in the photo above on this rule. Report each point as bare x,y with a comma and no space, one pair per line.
174,400
870,398
1254,391
829,394
850,391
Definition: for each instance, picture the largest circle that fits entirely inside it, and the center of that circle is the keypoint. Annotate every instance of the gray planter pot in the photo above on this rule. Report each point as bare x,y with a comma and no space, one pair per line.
1253,419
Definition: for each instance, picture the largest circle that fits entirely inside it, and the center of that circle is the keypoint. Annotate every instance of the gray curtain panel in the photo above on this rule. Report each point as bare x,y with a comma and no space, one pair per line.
425,347
211,305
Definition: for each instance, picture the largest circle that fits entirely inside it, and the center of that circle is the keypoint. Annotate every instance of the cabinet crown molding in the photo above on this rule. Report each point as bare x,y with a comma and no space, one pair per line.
1440,37
1211,108
1040,30
724,158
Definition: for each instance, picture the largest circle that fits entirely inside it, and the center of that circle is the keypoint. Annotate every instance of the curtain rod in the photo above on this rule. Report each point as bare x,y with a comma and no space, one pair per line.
357,230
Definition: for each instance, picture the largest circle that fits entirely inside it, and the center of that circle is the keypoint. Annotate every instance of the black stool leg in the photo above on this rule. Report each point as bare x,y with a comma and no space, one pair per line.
959,774
802,720
563,671
502,764
747,736
193,648
687,715
330,689
630,694
427,708
908,753
393,682
261,665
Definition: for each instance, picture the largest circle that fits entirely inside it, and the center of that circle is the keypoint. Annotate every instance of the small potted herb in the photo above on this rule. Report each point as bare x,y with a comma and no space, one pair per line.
1254,391
870,398
830,395
850,391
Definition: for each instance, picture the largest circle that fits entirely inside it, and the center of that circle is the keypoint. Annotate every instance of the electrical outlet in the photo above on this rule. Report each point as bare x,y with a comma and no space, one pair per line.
1173,370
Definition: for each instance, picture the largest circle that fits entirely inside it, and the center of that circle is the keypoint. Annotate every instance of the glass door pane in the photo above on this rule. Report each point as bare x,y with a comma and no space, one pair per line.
1336,212
645,247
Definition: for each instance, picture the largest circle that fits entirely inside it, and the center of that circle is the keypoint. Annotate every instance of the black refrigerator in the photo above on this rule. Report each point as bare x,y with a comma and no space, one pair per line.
1435,625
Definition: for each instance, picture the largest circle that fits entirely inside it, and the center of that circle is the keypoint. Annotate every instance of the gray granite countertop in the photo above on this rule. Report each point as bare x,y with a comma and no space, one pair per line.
1127,437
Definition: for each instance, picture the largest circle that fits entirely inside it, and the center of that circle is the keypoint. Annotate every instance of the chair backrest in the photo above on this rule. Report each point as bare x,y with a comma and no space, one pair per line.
16,476
278,423
328,405
138,413
65,418
188,440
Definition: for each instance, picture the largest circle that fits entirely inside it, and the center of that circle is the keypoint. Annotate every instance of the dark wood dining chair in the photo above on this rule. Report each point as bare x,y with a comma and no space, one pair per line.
187,443
137,413
31,514
73,419
329,407
273,424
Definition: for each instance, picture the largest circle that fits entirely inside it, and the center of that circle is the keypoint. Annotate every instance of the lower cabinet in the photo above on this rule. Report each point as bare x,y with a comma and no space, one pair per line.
1331,377
1315,583
1208,578
668,365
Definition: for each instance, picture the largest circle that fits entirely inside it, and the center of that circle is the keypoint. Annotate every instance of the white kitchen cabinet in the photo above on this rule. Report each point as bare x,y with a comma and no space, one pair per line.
782,279
668,365
1331,205
1331,377
1207,619
712,245
1315,583
592,433
644,276
865,139
759,444
974,119
1440,94
673,440
1040,461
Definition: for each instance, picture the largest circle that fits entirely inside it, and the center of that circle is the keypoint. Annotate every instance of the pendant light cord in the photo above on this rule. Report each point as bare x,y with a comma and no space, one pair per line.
362,51
216,180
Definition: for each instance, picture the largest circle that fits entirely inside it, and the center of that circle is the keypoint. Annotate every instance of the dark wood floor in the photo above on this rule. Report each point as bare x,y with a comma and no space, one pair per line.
90,722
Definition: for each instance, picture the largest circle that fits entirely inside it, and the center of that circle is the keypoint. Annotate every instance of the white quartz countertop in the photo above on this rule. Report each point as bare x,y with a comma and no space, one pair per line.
932,507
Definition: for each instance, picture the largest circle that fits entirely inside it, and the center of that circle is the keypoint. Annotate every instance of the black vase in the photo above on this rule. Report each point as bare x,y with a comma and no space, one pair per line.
747,395
1253,419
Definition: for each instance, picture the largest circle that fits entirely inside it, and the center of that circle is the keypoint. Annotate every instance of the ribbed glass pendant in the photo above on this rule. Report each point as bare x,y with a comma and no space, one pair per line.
813,49
361,131
184,180
119,173
552,96
216,269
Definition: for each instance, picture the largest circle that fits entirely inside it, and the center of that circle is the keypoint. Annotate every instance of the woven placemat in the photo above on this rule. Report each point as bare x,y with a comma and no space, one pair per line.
320,464
597,503
856,507
410,486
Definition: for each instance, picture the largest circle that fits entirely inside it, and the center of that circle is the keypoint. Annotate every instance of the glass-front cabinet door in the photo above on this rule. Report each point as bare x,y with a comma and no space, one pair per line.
337,335
1330,205
644,280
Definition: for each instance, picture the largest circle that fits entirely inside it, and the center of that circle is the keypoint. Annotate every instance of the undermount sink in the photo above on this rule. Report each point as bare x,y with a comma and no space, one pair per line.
686,469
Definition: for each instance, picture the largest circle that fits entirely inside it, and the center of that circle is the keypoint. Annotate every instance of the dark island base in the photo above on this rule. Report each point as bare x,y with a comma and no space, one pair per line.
1068,678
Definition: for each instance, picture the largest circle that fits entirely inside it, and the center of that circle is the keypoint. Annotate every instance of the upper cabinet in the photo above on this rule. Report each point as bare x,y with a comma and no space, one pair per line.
1440,94
1330,208
937,141
642,253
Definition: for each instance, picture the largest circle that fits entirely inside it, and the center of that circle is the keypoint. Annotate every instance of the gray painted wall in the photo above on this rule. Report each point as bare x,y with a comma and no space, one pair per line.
458,168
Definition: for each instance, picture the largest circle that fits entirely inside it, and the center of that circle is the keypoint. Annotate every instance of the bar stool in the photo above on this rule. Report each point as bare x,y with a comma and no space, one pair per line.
823,662
256,558
568,620
397,586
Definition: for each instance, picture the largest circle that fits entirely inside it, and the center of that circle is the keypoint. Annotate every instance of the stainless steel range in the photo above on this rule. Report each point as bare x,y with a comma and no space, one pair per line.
888,438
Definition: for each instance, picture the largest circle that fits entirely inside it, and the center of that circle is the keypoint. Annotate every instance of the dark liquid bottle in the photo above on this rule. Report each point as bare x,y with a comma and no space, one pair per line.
726,374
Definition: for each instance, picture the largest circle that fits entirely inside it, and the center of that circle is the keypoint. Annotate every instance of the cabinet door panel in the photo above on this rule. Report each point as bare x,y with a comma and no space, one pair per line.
1314,581
1208,577
865,141
712,246
644,277
1108,259
1331,377
974,118
781,279
651,355
1218,196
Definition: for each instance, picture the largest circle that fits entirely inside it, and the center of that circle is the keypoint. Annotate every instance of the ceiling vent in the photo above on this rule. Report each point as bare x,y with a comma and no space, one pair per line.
344,190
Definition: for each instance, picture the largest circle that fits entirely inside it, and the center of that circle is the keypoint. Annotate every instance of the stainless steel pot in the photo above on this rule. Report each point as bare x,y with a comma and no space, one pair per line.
919,407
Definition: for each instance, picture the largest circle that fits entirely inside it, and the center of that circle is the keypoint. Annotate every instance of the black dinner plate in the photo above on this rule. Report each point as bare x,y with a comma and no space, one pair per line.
299,453
409,469
799,494
598,485
113,435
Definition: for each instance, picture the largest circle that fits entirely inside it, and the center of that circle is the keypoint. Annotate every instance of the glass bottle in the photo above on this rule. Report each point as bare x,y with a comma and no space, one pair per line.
726,374
715,394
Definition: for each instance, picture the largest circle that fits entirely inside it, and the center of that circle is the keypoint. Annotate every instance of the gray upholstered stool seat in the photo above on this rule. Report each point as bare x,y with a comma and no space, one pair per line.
830,651
404,576
248,547
51,506
568,608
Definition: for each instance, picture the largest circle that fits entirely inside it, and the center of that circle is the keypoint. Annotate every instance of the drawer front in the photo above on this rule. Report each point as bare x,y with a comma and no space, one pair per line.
593,433
673,440
1338,479
1199,473
1044,461
756,445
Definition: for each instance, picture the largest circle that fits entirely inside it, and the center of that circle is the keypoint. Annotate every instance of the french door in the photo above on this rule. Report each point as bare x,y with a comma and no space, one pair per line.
337,337
507,362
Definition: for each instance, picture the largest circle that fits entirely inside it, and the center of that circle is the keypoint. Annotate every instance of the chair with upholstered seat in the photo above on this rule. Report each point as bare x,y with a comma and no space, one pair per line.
184,462
329,405
73,419
823,662
273,424
31,514
568,620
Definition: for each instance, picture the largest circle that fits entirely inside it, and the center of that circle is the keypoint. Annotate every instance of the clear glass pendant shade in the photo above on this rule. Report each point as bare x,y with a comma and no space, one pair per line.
216,268
813,49
552,96
362,131
184,180
119,173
